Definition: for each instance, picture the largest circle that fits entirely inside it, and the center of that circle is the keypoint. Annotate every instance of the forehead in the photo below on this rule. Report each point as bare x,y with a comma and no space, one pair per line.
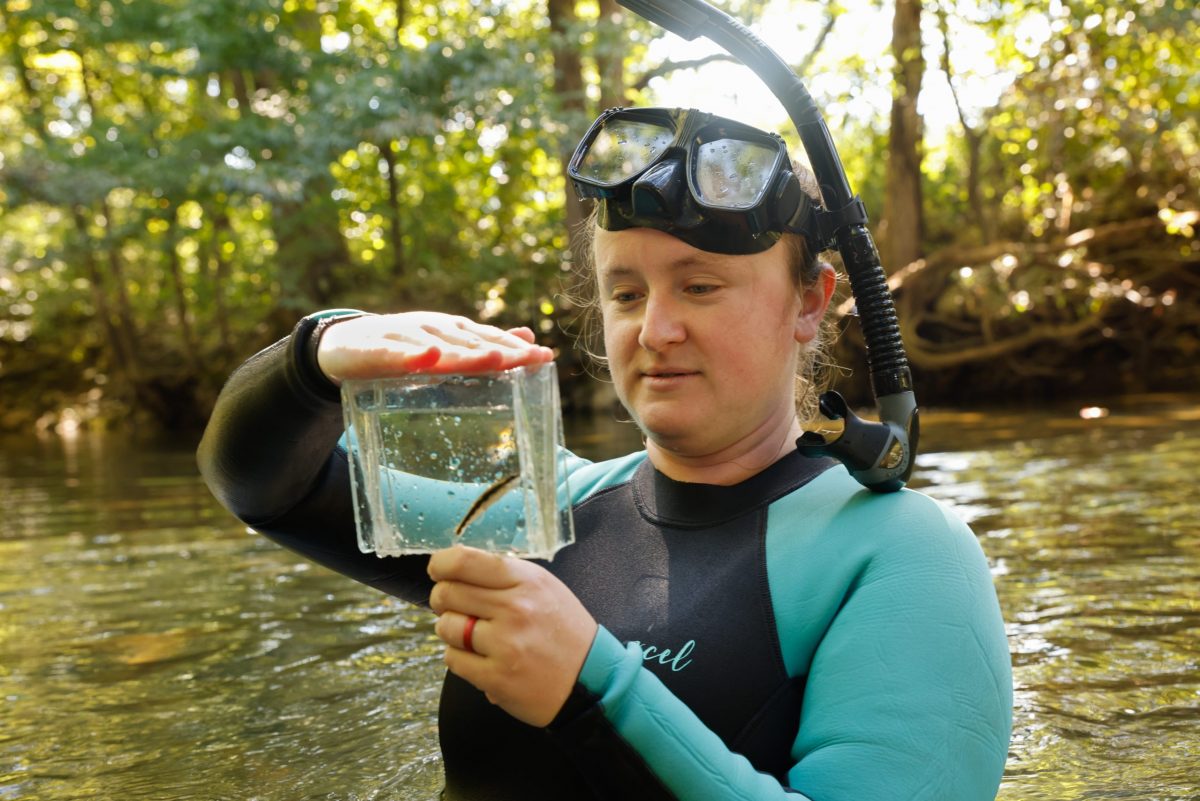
645,250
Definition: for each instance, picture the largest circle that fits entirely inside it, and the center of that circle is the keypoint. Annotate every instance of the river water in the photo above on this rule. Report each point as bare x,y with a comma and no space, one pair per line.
150,648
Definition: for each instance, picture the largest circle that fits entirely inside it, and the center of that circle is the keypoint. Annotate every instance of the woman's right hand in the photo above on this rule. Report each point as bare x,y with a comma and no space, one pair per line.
422,342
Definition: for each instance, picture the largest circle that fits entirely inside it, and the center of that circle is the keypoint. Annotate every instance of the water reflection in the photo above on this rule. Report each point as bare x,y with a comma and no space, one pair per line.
1091,527
150,648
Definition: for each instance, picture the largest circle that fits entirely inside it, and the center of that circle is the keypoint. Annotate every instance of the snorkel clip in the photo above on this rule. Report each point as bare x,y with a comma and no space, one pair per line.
827,223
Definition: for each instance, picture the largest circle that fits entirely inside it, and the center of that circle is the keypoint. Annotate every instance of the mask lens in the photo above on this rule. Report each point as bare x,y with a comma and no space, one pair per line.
623,149
733,173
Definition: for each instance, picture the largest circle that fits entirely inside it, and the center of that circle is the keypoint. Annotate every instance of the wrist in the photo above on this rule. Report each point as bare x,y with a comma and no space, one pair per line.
306,339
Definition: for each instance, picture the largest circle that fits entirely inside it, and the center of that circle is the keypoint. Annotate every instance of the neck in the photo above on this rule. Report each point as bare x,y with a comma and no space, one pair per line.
734,463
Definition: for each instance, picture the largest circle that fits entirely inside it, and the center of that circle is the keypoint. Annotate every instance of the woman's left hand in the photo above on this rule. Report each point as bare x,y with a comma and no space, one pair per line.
531,637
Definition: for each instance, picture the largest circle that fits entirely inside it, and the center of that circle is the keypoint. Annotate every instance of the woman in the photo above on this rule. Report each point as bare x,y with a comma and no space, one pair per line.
735,619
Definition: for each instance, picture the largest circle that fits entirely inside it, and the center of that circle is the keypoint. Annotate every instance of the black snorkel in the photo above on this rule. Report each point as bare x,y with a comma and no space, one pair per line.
879,455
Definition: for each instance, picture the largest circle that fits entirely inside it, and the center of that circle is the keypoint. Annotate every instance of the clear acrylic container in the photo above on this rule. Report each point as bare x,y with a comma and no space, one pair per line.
475,459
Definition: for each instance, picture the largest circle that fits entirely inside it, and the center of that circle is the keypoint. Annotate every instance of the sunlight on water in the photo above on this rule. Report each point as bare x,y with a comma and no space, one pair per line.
1092,531
150,648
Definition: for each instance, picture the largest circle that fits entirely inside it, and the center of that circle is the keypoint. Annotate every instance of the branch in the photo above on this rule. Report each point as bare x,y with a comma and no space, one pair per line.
801,69
954,256
944,25
936,358
830,18
667,67
25,78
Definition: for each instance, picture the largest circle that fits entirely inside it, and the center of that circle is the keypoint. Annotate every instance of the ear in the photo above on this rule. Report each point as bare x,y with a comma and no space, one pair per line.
814,300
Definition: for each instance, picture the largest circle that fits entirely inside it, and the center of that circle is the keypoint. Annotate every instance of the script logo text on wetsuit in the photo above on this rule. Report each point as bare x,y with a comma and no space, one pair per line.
676,661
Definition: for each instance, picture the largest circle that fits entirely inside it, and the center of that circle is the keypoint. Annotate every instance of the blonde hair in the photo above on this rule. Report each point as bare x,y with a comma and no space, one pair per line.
814,367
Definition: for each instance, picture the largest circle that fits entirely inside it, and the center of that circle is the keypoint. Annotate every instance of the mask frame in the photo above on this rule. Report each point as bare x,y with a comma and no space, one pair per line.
656,180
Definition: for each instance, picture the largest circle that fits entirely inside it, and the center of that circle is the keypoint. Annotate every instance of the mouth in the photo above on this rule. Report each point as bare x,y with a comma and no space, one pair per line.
666,373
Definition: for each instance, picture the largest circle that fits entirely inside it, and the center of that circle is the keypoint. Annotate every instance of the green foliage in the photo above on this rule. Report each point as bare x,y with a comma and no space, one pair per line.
179,181
194,176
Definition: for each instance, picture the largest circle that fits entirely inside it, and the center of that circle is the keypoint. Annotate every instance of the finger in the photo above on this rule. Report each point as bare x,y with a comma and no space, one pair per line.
385,359
462,338
523,332
491,333
451,628
533,356
472,566
465,599
473,668
458,360
465,333
464,351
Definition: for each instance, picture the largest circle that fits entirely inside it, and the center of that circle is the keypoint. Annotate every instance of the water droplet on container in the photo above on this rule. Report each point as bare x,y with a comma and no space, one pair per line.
420,517
404,507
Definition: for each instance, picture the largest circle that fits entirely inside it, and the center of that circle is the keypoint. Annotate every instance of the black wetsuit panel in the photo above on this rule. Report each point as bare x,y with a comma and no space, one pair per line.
694,596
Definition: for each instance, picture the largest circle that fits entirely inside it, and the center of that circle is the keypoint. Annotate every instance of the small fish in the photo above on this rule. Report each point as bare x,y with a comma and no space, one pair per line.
488,497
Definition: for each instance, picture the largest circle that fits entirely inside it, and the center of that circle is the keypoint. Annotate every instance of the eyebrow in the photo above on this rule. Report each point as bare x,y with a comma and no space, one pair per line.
684,263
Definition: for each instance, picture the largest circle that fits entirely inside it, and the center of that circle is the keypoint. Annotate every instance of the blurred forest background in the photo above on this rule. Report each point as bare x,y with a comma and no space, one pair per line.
180,181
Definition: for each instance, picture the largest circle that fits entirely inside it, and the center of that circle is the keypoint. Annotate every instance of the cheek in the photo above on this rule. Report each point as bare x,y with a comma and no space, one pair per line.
770,360
615,349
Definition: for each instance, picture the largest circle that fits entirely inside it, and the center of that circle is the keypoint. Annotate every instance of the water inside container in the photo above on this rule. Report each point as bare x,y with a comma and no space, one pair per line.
439,460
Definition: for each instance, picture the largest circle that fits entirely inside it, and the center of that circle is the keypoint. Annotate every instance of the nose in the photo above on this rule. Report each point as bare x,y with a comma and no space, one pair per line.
662,323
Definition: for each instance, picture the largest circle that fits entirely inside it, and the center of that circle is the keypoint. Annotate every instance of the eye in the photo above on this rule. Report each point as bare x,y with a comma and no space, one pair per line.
625,296
700,289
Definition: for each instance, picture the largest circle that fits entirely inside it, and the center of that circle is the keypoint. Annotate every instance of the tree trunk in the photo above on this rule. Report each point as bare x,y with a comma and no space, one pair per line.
974,191
610,55
568,89
393,195
116,270
972,136
312,251
220,229
900,230
175,269
120,349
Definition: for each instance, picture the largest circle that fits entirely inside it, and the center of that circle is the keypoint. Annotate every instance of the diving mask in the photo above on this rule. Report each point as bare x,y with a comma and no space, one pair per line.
717,184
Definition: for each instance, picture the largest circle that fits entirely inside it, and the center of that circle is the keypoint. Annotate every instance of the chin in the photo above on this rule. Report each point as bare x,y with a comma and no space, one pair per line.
674,438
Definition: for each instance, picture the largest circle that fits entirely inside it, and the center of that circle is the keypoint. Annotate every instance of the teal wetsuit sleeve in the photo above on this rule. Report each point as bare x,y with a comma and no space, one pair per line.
887,605
645,743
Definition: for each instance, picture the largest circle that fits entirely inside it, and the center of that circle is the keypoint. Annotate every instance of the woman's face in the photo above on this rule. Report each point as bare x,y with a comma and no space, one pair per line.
702,346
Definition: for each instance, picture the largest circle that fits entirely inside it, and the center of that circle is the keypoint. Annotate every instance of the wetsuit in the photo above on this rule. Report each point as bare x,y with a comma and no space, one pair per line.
791,636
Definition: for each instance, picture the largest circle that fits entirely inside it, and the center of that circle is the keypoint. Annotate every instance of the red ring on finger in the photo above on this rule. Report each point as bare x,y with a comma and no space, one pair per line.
469,633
